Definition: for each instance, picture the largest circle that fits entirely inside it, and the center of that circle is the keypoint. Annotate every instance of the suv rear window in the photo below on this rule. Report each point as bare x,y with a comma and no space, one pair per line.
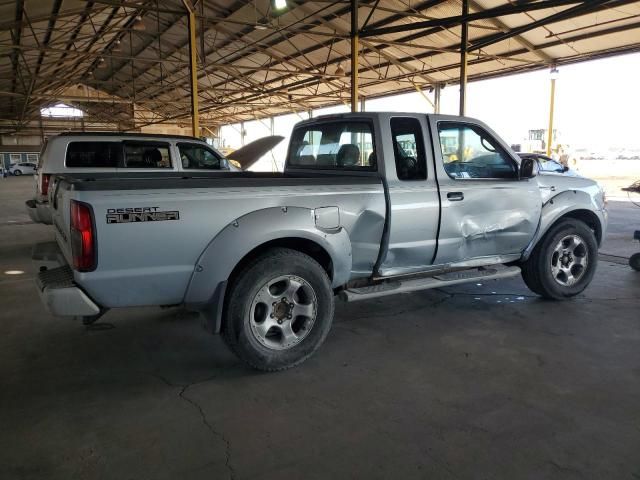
333,145
94,154
146,155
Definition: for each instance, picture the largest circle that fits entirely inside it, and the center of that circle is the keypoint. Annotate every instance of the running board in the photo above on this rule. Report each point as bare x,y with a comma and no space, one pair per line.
425,283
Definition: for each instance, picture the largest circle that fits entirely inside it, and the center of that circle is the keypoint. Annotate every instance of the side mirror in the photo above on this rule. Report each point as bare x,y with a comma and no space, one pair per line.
565,168
528,168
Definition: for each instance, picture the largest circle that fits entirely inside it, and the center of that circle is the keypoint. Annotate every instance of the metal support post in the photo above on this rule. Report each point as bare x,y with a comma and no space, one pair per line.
193,69
464,37
354,55
552,100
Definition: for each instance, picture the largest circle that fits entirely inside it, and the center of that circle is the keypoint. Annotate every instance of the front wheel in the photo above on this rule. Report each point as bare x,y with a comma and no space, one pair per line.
563,263
17,173
279,310
634,261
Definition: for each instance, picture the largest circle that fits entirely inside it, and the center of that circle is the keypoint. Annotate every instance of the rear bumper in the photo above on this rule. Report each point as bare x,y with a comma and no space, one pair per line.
47,255
61,296
39,212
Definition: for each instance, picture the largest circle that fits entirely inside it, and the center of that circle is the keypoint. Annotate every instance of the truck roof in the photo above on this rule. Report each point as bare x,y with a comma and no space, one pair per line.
348,115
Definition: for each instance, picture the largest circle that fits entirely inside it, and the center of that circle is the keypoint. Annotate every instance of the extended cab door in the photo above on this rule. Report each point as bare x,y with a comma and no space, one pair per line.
414,206
487,211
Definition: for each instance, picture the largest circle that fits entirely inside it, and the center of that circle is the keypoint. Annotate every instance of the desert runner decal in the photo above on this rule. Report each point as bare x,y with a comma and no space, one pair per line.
140,214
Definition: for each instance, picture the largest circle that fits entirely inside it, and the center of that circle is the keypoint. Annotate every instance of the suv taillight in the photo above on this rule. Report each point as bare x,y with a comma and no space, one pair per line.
83,240
44,183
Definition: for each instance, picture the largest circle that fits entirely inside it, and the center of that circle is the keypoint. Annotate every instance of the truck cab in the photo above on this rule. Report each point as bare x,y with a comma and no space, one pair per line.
456,193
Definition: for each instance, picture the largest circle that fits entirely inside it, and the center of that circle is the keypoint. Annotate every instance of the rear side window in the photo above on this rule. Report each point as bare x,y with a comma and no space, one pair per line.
94,155
408,148
146,155
198,157
333,145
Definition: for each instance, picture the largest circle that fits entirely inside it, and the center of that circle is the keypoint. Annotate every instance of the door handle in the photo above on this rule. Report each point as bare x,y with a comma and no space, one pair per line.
455,196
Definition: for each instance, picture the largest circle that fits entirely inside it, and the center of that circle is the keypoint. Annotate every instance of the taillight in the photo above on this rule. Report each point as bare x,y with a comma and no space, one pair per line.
83,240
44,183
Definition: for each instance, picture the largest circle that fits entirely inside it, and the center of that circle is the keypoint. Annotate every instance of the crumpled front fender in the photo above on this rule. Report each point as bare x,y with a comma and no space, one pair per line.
563,204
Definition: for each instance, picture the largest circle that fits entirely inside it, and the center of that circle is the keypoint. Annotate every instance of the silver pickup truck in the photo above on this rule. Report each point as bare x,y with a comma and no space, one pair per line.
369,204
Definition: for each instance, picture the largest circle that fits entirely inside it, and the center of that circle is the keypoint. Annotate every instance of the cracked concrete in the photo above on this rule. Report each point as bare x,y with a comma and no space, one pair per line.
215,433
218,435
443,384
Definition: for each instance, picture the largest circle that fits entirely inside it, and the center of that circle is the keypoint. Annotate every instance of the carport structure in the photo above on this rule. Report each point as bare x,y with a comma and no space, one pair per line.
131,64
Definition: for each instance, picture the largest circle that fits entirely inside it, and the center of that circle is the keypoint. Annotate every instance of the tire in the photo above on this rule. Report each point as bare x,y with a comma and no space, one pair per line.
17,173
563,263
530,277
279,310
634,261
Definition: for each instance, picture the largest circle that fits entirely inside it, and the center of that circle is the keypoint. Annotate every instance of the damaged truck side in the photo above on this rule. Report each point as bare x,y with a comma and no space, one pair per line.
369,204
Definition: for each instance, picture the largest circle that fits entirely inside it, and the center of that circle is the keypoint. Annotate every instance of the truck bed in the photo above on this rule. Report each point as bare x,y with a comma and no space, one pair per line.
151,261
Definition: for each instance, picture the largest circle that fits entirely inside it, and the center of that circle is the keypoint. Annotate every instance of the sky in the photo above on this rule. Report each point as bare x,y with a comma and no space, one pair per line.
597,107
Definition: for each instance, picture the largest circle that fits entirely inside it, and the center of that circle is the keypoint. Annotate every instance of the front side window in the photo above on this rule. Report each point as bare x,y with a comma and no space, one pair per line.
339,145
146,155
470,152
94,154
197,157
408,149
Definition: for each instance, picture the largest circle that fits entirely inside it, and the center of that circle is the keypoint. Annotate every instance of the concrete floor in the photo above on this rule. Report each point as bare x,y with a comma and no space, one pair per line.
474,382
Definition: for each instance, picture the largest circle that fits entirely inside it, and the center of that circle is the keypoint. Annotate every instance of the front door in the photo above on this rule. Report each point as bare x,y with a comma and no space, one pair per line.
487,211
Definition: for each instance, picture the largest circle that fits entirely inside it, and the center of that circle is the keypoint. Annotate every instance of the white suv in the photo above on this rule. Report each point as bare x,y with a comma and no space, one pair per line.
115,153
82,153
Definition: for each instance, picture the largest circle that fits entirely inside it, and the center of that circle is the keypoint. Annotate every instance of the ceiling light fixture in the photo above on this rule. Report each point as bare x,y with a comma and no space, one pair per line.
117,46
13,272
340,71
280,4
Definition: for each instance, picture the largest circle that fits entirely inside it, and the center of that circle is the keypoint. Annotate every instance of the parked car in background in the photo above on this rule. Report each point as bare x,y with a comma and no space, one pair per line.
369,204
25,168
548,164
105,153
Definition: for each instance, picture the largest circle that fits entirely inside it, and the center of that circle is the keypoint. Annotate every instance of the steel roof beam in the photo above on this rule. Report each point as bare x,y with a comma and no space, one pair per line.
556,17
477,61
455,20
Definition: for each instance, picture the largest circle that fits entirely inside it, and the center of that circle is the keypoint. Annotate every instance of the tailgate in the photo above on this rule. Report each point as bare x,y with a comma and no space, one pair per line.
59,199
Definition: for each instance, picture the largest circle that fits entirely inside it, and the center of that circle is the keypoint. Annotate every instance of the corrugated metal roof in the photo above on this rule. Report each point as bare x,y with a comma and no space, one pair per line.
125,63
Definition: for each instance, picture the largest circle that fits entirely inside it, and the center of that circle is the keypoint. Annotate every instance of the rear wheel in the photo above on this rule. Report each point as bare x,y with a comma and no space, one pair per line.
634,261
279,310
564,261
